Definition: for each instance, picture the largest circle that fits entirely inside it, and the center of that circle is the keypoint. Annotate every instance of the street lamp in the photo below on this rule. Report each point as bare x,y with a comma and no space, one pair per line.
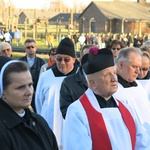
57,28
34,24
7,23
122,27
46,31
25,28
60,26
83,19
140,21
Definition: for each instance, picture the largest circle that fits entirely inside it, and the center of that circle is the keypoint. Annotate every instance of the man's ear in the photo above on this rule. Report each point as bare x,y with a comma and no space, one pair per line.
92,84
120,65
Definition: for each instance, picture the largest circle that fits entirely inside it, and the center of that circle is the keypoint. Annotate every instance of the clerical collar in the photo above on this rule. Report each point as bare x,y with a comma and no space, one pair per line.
126,84
105,103
22,115
57,73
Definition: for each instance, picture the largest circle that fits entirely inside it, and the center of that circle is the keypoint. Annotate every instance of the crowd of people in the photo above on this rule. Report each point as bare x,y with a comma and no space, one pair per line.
104,40
100,101
9,35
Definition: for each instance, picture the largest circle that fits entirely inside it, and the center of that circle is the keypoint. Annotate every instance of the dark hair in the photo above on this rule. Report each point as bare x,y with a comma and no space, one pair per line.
114,42
146,54
84,47
20,66
145,48
52,50
29,40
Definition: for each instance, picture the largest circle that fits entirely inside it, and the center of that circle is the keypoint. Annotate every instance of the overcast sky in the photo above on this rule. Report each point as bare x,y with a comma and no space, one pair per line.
46,3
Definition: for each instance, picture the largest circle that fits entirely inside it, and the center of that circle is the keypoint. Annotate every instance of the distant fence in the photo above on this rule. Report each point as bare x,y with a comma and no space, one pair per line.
39,51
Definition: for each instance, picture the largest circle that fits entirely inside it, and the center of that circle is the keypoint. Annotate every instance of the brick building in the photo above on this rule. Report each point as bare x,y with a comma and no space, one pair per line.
116,17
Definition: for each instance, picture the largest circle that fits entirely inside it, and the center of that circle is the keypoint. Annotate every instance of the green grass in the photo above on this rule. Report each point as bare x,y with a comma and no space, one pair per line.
40,43
16,55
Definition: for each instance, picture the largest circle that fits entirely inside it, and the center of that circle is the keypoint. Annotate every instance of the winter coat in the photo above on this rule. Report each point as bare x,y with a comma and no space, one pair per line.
30,132
72,88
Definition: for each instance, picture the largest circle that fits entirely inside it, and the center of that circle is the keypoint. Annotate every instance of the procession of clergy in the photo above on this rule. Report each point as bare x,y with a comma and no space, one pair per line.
102,103
99,102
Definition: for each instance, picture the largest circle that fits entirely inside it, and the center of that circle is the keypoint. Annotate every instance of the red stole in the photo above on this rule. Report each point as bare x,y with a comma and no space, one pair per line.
98,128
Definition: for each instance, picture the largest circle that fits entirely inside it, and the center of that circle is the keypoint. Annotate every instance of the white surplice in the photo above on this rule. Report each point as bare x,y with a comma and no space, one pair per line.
77,134
137,98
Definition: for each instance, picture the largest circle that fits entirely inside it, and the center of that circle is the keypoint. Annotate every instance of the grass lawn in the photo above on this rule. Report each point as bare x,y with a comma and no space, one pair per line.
39,43
16,55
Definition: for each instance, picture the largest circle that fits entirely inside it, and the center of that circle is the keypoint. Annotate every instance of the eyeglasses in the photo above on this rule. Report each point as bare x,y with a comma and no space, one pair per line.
5,50
66,59
28,47
115,48
144,69
53,54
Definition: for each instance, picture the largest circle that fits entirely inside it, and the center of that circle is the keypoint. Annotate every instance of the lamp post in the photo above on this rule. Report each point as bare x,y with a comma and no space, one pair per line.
45,31
83,19
71,17
122,27
69,25
7,22
57,29
140,21
25,28
34,28
60,27
16,21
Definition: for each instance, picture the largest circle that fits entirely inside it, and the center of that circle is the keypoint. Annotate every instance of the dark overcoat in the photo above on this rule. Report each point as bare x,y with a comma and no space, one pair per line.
72,88
30,132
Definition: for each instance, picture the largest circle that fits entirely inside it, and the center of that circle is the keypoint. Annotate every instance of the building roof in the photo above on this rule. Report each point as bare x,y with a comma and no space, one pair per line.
122,10
65,17
39,14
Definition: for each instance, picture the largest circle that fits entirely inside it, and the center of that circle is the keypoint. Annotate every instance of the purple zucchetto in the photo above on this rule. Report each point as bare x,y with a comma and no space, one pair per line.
97,60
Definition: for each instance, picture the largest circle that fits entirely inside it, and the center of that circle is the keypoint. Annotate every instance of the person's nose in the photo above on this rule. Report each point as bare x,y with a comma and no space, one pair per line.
114,77
62,62
29,90
138,70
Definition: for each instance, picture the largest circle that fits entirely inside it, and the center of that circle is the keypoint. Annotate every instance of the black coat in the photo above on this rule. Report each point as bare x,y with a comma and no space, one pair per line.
30,132
72,88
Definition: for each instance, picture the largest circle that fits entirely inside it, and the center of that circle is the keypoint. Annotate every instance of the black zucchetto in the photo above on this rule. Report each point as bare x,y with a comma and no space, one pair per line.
97,60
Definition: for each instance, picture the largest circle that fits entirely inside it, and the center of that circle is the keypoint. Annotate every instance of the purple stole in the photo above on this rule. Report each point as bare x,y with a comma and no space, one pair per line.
100,138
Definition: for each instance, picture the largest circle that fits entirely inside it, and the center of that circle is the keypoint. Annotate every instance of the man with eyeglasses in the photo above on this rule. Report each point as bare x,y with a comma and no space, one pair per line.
5,49
130,90
97,120
144,75
48,87
75,85
34,62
